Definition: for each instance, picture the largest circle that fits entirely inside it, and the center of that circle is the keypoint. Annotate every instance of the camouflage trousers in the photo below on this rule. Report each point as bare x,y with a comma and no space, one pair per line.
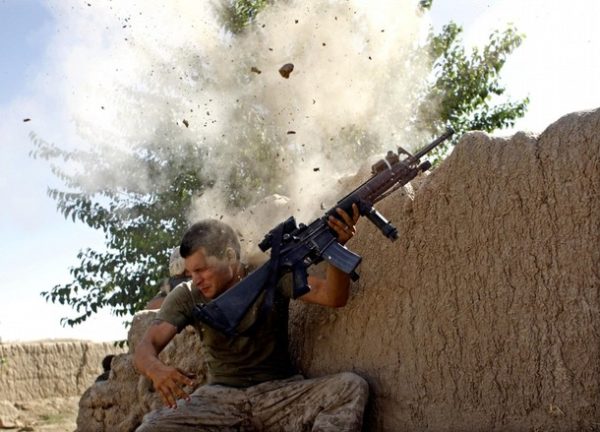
330,403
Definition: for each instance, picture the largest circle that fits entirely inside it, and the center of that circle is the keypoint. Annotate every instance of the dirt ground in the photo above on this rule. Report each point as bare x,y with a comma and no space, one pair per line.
48,415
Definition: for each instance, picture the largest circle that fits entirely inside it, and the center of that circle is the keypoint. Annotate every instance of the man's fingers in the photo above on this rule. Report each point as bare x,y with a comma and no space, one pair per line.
178,392
355,213
186,378
178,384
172,388
338,226
171,393
167,397
347,222
164,398
344,224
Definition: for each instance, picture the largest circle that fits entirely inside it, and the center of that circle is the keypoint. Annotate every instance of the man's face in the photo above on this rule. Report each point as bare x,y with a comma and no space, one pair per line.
211,275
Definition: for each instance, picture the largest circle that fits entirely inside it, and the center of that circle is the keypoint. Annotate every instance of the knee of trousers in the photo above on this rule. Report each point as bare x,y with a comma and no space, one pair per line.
354,384
145,428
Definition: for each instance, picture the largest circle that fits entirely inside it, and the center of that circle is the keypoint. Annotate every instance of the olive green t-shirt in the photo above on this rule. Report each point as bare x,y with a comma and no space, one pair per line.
238,361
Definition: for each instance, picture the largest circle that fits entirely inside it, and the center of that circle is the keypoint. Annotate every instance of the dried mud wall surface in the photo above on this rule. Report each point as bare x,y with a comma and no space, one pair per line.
41,370
485,314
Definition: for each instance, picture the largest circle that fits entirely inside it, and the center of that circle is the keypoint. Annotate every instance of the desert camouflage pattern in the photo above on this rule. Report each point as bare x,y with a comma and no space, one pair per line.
326,404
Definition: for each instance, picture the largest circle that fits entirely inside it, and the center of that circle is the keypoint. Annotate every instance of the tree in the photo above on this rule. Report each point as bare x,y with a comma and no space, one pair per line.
139,224
464,90
144,213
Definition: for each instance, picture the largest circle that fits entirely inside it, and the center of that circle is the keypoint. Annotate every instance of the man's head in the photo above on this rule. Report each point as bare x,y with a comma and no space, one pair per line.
211,250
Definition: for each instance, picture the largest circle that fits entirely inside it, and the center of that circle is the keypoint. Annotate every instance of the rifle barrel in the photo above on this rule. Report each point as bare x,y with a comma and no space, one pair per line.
449,132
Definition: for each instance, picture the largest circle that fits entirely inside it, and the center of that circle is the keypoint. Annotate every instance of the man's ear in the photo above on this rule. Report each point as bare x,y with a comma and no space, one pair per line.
230,255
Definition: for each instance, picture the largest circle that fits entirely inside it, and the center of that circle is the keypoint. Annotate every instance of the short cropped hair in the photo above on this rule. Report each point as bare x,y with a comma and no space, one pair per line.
212,235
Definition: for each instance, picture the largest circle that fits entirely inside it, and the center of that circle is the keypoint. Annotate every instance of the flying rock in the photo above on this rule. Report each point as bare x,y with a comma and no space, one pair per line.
286,70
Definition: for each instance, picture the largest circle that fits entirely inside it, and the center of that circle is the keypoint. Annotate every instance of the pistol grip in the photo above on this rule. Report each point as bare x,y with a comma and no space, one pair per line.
300,280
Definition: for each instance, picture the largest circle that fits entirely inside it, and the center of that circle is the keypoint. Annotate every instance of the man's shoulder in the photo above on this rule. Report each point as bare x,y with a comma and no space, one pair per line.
183,286
185,292
179,304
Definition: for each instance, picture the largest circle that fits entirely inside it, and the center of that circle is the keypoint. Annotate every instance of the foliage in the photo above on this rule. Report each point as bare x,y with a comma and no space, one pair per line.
141,223
239,13
465,87
425,4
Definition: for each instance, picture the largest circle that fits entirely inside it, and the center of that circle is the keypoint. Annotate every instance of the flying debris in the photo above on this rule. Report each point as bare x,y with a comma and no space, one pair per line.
255,70
286,70
186,123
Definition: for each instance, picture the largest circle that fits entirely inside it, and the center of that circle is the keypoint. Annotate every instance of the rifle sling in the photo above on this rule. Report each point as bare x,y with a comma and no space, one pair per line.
271,283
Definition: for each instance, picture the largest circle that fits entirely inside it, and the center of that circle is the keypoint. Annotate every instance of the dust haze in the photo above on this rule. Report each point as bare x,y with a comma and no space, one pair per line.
170,75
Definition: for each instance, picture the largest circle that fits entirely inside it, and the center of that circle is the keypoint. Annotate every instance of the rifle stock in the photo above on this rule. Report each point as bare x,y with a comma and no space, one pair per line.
296,247
226,314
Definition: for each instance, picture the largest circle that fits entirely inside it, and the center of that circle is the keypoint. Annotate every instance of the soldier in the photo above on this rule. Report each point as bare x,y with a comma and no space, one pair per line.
252,385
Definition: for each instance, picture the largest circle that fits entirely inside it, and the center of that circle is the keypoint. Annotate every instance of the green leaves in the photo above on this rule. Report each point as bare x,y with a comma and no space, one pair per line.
466,88
240,13
140,224
425,5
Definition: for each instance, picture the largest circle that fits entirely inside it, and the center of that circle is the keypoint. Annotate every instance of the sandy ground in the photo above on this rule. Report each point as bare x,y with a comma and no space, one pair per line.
48,415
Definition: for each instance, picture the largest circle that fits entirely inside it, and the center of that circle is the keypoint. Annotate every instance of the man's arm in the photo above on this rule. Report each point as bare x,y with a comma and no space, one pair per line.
167,380
334,290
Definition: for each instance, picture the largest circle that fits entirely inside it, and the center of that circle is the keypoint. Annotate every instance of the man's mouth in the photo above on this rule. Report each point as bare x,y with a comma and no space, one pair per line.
204,288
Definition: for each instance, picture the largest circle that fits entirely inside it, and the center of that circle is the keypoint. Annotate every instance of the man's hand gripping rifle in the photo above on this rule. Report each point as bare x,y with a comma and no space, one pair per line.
296,247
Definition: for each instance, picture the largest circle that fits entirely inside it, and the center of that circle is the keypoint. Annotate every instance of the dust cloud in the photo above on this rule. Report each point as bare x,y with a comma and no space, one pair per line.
161,77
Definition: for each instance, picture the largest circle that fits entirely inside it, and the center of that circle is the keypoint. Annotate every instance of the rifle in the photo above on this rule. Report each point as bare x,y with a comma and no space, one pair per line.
296,247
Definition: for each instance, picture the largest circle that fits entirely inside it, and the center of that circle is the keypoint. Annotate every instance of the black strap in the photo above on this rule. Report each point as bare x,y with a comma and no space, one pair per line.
271,283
